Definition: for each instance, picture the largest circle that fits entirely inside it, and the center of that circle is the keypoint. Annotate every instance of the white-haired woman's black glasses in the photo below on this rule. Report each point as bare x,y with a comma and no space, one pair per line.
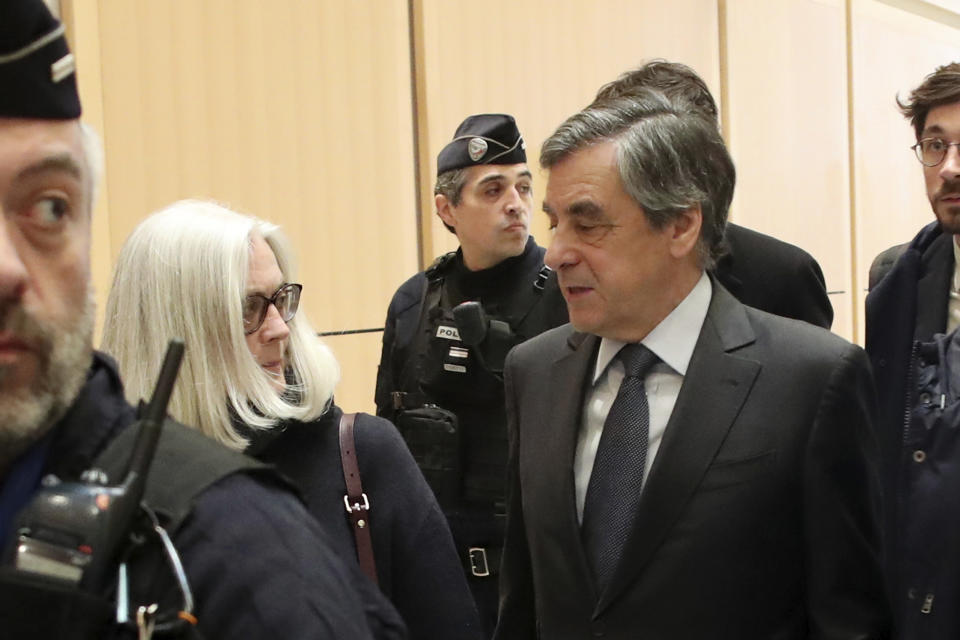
286,299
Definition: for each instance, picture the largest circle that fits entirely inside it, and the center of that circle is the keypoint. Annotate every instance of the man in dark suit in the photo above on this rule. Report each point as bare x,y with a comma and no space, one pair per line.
681,465
759,270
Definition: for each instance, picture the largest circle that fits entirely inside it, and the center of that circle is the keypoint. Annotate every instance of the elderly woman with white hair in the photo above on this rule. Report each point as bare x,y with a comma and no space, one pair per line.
256,378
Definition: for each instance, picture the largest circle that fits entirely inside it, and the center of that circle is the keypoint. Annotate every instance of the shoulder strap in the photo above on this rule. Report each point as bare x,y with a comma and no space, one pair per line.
524,296
408,394
531,301
440,266
356,501
185,464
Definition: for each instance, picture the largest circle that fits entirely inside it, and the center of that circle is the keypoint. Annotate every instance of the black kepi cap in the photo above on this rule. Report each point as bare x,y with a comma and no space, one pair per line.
487,138
37,78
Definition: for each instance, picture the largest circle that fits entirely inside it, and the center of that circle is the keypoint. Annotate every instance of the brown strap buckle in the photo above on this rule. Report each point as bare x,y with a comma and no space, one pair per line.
356,506
355,500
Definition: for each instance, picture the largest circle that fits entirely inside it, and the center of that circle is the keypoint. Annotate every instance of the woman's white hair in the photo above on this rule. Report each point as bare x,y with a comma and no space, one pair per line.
182,273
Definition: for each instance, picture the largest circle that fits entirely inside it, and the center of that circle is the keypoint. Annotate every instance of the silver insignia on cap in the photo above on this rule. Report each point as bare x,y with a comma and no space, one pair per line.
62,68
477,147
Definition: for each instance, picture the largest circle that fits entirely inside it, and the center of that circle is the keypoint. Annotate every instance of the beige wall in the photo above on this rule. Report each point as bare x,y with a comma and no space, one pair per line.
787,129
542,62
322,114
894,45
298,112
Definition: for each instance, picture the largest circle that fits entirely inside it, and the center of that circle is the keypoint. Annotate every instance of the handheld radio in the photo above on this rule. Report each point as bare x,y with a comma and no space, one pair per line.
74,531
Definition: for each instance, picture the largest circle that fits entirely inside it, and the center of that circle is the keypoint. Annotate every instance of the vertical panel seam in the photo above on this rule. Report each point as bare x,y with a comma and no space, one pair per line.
419,116
852,172
724,62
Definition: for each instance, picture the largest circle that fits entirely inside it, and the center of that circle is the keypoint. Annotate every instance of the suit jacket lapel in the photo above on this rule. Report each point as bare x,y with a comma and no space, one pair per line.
715,387
559,440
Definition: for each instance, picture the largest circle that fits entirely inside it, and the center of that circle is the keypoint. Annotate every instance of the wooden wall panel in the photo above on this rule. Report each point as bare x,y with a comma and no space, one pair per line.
787,115
893,49
541,61
82,21
301,111
297,111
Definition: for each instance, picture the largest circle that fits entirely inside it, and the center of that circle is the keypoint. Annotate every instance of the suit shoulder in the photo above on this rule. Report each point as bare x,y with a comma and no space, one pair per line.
798,340
544,344
748,244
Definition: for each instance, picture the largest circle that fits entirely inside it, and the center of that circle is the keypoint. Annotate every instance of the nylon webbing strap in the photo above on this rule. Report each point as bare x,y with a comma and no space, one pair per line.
178,473
356,502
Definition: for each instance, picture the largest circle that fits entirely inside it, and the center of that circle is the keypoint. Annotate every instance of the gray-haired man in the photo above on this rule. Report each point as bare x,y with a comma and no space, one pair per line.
681,465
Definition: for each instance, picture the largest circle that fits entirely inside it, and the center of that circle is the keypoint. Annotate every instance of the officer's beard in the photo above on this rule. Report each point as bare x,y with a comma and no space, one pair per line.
29,408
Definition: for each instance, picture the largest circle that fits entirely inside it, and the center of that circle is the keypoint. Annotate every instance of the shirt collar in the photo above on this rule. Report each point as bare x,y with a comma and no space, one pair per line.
674,339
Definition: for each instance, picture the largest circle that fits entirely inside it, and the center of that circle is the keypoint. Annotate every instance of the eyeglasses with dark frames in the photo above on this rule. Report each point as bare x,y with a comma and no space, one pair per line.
286,299
931,151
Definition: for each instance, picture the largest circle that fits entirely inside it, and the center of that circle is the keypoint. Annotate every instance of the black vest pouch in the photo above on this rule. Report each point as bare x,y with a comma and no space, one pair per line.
451,369
433,436
32,606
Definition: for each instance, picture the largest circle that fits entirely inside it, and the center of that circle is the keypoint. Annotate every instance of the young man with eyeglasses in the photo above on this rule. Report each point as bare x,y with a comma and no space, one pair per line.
915,300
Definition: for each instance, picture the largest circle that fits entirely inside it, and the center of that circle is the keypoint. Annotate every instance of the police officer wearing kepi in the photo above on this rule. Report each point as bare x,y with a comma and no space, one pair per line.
448,330
254,563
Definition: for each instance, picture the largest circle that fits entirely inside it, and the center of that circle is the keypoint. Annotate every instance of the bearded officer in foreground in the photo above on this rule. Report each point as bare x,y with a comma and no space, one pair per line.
256,564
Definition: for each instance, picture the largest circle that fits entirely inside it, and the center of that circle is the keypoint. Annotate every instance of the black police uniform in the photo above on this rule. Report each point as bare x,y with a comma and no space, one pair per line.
258,565
424,363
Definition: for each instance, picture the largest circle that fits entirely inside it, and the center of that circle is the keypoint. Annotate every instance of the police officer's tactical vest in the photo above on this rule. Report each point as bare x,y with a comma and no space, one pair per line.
445,372
33,607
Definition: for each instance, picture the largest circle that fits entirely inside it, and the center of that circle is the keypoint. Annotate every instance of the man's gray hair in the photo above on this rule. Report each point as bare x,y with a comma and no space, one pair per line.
669,159
450,185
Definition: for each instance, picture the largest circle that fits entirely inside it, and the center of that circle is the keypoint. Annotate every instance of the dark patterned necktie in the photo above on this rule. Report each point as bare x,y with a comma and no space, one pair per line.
614,489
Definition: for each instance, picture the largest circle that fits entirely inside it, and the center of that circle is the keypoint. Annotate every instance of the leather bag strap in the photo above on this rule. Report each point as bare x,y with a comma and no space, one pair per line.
356,501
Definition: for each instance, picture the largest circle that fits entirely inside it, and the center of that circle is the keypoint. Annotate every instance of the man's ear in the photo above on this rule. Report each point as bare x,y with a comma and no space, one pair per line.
445,210
685,231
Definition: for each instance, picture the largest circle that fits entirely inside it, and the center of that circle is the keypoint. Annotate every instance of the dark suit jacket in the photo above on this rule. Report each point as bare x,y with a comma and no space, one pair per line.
774,276
760,515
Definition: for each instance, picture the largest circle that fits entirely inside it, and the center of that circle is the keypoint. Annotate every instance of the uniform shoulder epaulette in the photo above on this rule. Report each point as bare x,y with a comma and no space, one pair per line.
440,265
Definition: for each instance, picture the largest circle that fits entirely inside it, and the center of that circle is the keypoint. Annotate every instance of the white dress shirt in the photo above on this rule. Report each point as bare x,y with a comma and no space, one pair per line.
673,341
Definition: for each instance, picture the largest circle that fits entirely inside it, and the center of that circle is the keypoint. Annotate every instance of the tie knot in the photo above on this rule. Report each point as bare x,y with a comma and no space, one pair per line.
637,360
